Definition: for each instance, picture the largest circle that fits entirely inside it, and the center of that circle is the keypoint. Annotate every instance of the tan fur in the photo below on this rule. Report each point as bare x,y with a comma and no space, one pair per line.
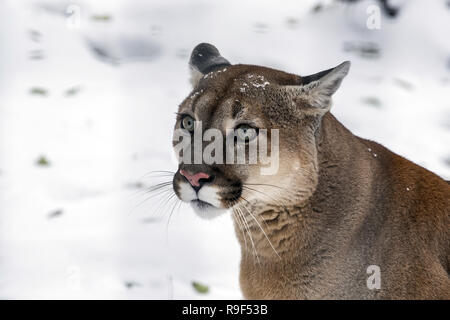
338,203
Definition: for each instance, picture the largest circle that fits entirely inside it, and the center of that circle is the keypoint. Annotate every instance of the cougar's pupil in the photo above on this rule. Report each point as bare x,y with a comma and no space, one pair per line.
244,133
188,123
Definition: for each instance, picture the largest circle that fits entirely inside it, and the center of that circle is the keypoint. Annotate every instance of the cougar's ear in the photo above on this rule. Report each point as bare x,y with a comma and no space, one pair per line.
205,58
316,90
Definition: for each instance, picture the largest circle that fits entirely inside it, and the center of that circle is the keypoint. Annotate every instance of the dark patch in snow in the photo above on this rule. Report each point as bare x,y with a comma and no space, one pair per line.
404,84
117,50
55,214
102,54
135,185
38,91
151,220
200,288
369,50
372,101
101,17
72,91
131,284
387,8
35,35
292,22
317,8
58,8
447,161
42,161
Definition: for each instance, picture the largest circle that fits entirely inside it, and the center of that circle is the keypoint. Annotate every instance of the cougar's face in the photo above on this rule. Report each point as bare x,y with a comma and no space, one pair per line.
247,108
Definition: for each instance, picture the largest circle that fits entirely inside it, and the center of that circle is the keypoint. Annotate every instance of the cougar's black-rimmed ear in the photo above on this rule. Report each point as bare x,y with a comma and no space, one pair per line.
204,59
316,89
329,80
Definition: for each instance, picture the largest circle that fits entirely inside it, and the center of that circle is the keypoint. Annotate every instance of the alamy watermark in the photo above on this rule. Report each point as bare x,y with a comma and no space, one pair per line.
73,280
374,280
73,19
373,21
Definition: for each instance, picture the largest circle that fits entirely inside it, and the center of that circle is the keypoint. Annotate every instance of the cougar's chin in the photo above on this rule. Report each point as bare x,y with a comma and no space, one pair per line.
206,210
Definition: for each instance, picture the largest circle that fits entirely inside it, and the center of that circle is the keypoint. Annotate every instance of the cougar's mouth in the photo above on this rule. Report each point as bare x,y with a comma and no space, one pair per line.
208,190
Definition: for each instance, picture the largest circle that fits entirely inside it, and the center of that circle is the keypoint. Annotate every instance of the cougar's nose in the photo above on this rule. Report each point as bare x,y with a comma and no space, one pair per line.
197,179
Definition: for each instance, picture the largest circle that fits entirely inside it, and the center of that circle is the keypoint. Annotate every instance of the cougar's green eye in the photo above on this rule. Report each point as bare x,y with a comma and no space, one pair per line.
244,132
188,123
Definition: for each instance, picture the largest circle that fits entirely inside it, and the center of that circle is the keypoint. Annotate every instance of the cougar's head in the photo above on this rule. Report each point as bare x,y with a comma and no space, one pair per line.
246,134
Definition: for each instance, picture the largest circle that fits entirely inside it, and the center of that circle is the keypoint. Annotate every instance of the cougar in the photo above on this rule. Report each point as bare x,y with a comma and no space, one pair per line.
341,217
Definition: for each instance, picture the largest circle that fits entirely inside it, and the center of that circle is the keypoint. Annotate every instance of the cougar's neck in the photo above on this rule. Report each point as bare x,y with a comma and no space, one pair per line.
322,220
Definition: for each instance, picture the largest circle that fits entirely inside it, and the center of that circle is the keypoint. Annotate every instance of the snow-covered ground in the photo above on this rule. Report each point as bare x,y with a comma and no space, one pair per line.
94,95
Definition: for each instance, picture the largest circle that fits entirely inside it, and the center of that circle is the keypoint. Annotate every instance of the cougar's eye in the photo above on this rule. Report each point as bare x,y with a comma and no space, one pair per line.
244,132
188,123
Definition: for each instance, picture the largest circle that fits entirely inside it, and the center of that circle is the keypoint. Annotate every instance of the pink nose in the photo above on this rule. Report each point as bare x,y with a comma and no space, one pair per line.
194,178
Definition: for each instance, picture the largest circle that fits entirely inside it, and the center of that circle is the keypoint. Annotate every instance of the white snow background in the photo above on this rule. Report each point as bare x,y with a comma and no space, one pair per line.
96,93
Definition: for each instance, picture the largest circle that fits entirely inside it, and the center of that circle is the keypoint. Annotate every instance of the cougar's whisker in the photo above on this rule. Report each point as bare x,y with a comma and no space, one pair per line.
151,188
163,205
250,236
273,199
159,192
260,227
266,184
171,213
165,190
167,172
291,192
241,227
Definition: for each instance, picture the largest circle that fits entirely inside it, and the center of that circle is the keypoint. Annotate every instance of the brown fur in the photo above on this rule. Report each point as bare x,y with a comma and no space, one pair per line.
338,204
